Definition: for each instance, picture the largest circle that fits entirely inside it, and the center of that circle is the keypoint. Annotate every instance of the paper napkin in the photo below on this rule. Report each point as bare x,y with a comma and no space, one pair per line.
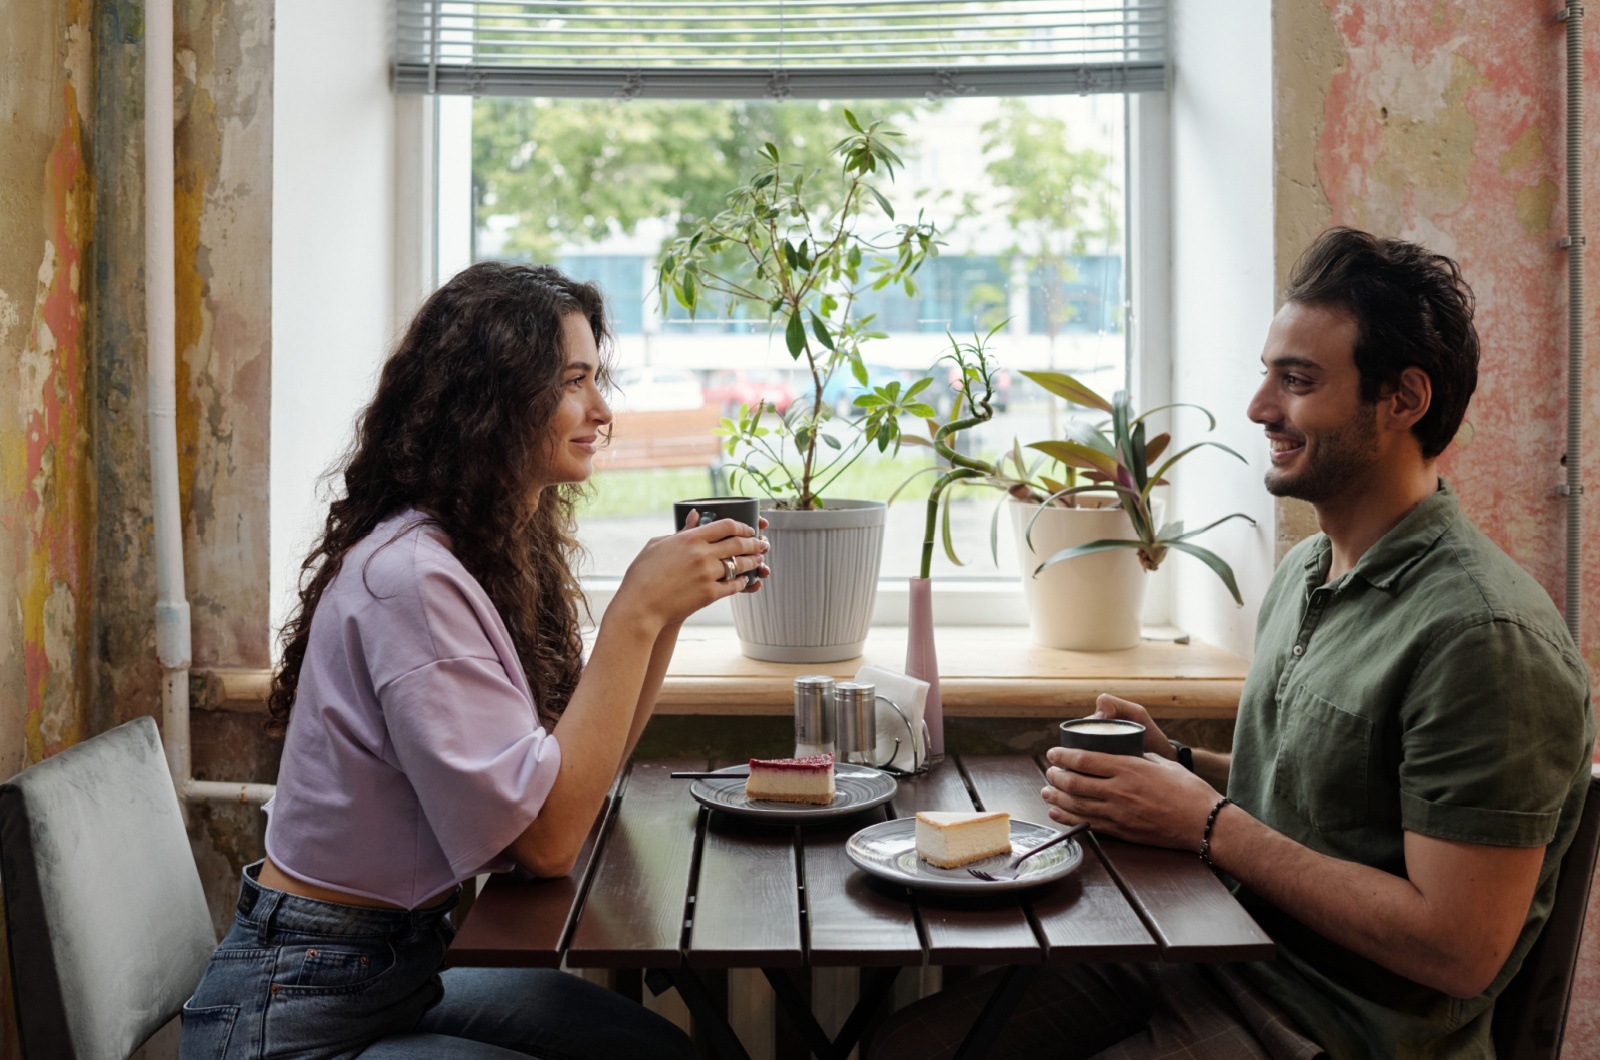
911,696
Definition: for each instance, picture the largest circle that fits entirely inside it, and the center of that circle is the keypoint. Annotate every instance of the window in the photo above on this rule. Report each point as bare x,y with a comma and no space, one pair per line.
591,141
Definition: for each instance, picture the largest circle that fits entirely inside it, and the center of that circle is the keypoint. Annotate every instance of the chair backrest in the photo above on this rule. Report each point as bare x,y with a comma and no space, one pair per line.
109,931
1530,1016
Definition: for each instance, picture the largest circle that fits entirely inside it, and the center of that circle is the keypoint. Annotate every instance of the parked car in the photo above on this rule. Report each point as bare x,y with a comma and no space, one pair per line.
729,388
655,389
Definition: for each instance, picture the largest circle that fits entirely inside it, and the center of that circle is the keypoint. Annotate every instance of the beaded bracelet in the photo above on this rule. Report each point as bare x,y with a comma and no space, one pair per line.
1205,838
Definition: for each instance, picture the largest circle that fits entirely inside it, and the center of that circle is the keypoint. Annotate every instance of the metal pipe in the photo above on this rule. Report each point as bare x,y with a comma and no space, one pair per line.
173,645
1573,16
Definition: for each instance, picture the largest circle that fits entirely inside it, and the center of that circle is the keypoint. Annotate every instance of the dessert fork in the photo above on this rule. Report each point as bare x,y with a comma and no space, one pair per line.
1010,871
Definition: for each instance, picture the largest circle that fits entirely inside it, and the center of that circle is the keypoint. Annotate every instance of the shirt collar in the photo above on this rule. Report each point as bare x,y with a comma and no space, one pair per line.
1398,550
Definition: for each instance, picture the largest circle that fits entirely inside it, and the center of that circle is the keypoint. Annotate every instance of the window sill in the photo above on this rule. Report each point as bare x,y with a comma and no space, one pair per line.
984,671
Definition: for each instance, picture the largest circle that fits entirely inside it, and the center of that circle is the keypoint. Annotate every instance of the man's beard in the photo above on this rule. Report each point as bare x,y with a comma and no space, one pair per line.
1333,462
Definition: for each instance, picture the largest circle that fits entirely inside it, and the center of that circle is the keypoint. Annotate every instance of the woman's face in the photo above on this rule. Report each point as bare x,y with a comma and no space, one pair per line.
574,427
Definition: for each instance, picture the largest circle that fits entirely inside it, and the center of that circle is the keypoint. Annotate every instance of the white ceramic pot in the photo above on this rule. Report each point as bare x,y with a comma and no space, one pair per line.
817,604
1091,603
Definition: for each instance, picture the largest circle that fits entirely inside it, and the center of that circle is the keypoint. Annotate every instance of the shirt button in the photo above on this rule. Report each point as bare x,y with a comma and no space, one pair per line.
1299,649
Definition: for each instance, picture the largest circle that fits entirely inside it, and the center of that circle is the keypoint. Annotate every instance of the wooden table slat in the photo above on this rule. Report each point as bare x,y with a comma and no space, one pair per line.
1084,917
1186,906
520,922
964,930
634,914
854,919
746,906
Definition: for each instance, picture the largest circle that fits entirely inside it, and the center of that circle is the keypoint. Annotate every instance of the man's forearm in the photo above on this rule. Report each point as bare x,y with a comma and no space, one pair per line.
1384,917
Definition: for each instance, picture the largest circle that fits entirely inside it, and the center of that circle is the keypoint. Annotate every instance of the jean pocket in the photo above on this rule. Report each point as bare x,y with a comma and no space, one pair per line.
337,968
1324,761
206,1032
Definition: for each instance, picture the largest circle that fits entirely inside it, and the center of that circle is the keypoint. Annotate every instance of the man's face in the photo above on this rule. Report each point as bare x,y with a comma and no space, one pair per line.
1324,438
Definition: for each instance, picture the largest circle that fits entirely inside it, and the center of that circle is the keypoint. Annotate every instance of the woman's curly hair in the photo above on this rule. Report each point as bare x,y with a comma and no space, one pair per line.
457,430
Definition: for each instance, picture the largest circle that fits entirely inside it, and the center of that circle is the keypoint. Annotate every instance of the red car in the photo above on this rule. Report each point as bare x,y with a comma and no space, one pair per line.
729,388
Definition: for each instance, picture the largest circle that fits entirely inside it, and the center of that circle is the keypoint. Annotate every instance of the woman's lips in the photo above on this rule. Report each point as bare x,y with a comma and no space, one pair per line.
586,443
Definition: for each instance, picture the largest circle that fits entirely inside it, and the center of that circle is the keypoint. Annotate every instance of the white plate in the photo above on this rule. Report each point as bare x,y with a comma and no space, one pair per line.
889,851
855,789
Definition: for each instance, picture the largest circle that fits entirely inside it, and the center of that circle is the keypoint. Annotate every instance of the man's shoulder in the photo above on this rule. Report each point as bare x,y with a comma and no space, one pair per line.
1472,581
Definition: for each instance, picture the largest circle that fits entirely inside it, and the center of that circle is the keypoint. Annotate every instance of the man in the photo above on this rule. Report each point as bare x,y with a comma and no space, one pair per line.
1413,742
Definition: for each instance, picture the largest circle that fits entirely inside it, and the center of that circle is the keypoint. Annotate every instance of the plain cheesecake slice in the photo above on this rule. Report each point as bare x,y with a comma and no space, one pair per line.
950,840
808,780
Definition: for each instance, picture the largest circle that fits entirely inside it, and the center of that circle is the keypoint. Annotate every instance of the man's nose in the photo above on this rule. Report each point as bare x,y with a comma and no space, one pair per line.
1261,408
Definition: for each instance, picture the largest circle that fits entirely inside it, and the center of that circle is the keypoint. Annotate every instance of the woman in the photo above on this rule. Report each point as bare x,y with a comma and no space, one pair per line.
439,720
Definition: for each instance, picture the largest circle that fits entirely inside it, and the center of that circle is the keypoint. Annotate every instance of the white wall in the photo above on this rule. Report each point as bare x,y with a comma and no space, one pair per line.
333,250
1222,298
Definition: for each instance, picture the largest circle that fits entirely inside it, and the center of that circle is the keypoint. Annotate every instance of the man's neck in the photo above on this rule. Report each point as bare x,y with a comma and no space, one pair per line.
1354,522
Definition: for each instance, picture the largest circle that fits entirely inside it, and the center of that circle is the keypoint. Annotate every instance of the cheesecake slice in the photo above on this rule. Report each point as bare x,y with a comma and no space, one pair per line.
950,840
808,780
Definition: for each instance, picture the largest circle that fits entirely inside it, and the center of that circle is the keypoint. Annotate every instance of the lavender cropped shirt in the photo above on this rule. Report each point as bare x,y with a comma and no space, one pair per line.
414,754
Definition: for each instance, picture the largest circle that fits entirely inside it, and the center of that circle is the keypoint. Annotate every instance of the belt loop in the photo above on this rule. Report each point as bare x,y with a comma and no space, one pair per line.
265,908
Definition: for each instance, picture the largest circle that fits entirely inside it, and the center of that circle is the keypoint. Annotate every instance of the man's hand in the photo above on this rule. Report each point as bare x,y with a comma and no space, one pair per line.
1155,741
1146,800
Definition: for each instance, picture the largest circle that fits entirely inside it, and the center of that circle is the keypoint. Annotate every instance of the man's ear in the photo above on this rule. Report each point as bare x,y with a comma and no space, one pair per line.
1407,401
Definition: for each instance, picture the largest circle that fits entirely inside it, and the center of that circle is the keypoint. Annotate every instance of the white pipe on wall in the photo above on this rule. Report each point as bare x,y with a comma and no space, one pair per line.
173,647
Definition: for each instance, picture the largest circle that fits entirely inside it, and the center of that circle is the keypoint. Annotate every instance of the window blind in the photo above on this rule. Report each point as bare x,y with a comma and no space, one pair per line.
778,49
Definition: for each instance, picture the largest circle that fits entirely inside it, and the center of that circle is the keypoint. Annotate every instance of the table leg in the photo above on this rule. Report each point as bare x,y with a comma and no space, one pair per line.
1001,1004
873,992
724,1042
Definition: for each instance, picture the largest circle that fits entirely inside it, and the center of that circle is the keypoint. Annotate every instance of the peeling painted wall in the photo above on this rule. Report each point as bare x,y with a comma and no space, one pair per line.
1445,123
46,474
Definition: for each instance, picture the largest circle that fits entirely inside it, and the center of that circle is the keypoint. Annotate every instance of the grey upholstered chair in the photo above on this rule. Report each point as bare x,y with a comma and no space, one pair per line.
1531,1016
108,924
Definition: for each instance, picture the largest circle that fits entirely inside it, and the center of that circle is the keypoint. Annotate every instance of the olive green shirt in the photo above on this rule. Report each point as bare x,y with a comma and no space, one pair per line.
1433,689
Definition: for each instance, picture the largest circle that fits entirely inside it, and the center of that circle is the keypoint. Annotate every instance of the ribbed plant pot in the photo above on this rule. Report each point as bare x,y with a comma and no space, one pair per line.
1091,603
817,604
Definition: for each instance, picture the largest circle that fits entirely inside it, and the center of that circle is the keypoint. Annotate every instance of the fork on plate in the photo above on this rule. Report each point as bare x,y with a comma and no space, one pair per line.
1010,871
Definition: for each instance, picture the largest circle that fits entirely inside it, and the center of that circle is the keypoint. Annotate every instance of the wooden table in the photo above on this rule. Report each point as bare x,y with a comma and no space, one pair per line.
671,888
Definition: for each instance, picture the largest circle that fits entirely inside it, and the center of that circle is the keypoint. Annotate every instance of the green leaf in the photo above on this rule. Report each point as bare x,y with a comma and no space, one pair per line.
1064,386
876,194
859,370
920,410
1179,535
994,531
1089,549
1084,434
944,529
1162,471
795,335
830,441
820,330
771,150
1075,455
1210,419
1215,562
851,118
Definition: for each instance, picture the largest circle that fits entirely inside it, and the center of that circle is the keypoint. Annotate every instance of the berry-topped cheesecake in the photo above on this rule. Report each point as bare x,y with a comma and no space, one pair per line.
808,780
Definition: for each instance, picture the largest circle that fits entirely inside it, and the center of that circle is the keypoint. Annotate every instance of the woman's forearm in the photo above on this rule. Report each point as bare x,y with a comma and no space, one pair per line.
594,733
650,691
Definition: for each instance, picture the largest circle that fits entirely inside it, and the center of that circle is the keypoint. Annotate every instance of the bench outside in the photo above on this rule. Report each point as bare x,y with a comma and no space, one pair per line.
665,438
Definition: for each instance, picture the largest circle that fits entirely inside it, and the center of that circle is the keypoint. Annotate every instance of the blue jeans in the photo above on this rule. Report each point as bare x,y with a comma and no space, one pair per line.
295,977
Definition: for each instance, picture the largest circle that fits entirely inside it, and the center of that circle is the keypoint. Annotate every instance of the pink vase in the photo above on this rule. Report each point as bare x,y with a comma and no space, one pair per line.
922,662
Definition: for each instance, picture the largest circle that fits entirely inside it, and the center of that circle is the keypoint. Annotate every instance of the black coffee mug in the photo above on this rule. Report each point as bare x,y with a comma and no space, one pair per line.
1112,736
746,510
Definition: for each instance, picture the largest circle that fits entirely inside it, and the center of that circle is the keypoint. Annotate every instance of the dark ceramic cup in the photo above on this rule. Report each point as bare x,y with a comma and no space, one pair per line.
1114,736
746,510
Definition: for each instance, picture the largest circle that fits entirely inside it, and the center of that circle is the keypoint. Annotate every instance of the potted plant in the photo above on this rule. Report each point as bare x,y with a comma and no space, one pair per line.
793,249
1087,533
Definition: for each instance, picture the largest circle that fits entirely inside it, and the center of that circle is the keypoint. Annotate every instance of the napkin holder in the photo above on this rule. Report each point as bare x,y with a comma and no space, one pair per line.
902,732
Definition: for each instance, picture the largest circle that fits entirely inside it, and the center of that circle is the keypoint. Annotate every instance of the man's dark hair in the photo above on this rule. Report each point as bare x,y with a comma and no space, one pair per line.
1411,308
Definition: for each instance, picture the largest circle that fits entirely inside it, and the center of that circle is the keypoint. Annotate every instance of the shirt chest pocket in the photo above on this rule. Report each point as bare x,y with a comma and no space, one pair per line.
1324,762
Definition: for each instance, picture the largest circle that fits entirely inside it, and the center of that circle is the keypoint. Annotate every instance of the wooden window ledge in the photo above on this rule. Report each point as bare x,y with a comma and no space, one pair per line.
985,671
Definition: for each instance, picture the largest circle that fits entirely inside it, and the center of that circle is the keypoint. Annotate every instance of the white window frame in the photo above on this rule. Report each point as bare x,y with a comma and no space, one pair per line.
969,601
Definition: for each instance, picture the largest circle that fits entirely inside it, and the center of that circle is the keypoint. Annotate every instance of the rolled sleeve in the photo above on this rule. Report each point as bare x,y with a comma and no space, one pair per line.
1490,736
472,746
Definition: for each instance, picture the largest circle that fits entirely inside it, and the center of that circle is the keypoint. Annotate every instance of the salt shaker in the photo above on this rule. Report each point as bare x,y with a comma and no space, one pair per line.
813,715
856,730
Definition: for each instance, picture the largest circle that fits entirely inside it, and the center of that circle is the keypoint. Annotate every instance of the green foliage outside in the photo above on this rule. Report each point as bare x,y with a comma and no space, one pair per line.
580,170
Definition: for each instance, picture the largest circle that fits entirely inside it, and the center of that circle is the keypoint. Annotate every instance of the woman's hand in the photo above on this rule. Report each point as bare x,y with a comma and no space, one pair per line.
676,575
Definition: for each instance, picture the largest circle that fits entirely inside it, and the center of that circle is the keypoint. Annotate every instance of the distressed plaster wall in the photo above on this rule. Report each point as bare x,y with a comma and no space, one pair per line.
76,562
47,205
1444,123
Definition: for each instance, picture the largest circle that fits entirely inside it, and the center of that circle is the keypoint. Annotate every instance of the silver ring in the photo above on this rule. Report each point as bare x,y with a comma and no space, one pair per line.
730,567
